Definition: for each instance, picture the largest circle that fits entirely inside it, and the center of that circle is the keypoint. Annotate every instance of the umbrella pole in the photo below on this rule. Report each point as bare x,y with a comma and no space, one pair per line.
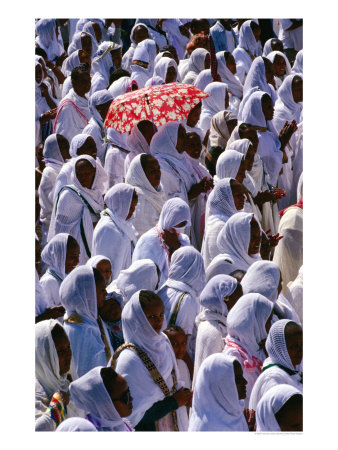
151,115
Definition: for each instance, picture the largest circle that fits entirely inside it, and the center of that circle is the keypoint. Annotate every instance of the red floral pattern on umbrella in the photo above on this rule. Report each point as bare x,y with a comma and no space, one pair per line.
163,103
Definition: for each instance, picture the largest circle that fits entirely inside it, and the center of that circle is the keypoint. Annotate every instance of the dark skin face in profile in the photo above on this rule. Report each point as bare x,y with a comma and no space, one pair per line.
63,146
97,31
236,295
297,89
132,205
255,238
231,64
267,107
290,415
86,43
194,115
88,148
103,109
153,172
171,75
63,350
240,380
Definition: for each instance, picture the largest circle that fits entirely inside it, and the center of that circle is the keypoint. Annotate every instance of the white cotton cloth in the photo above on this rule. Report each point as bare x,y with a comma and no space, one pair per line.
69,122
128,57
245,52
150,200
40,302
76,424
267,47
296,290
213,104
262,277
175,176
145,392
269,144
162,66
54,256
175,37
141,274
138,144
219,133
121,86
88,28
234,85
46,38
113,231
298,64
228,164
286,108
151,246
211,321
90,394
146,51
256,78
292,38
246,328
76,44
271,57
196,64
154,81
270,404
215,404
140,75
70,63
115,156
220,207
102,65
78,295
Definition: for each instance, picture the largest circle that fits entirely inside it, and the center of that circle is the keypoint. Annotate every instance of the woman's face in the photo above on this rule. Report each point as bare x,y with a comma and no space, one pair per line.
140,34
241,171
279,66
83,84
277,45
86,43
97,31
207,61
294,342
111,310
297,89
63,146
155,314
120,396
88,148
72,258
231,64
181,134
252,135
255,239
63,350
238,195
236,295
226,99
38,74
290,416
116,56
250,157
267,107
194,115
133,204
103,109
100,292
269,71
153,172
240,380
193,146
104,267
171,75
178,341
256,30
85,173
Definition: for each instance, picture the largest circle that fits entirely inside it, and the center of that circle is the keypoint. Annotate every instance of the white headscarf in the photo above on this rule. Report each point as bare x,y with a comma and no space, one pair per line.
76,424
154,81
217,288
263,278
271,402
137,329
133,42
163,65
246,321
195,64
77,142
146,51
118,200
267,47
286,108
186,271
174,211
78,293
256,78
215,404
219,132
271,57
141,274
51,152
47,368
215,103
228,164
46,38
98,98
54,254
234,240
252,111
76,43
103,61
94,260
121,86
234,85
90,394
298,64
240,145
137,142
246,38
93,194
276,345
72,61
221,201
137,178
88,28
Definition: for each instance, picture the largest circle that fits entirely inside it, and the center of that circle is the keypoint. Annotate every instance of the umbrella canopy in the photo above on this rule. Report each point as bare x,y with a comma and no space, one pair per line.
161,104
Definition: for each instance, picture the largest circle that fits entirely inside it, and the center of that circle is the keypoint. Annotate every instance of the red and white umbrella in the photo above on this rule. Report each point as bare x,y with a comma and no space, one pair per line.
160,104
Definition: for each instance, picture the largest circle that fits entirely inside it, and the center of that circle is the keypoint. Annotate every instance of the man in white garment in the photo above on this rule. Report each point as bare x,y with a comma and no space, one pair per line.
73,112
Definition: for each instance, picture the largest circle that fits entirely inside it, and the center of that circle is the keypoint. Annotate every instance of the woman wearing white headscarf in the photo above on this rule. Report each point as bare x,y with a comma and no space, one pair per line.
71,62
228,165
47,39
234,242
216,404
154,81
217,298
234,85
103,65
90,394
167,146
180,293
284,347
218,101
129,55
139,140
114,235
76,43
160,242
143,62
220,207
279,78
122,86
76,424
89,28
248,325
245,53
220,129
141,274
139,330
98,104
116,154
61,255
82,293
264,277
257,78
273,403
151,198
78,205
298,64
162,66
53,358
198,61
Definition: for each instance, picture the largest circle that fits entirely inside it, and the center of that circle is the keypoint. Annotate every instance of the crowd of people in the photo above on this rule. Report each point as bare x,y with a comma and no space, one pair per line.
169,258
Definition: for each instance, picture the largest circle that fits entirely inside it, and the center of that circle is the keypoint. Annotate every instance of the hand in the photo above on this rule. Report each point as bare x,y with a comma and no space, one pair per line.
273,239
183,396
48,115
278,193
250,417
170,237
44,90
60,59
65,397
286,132
49,64
56,311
